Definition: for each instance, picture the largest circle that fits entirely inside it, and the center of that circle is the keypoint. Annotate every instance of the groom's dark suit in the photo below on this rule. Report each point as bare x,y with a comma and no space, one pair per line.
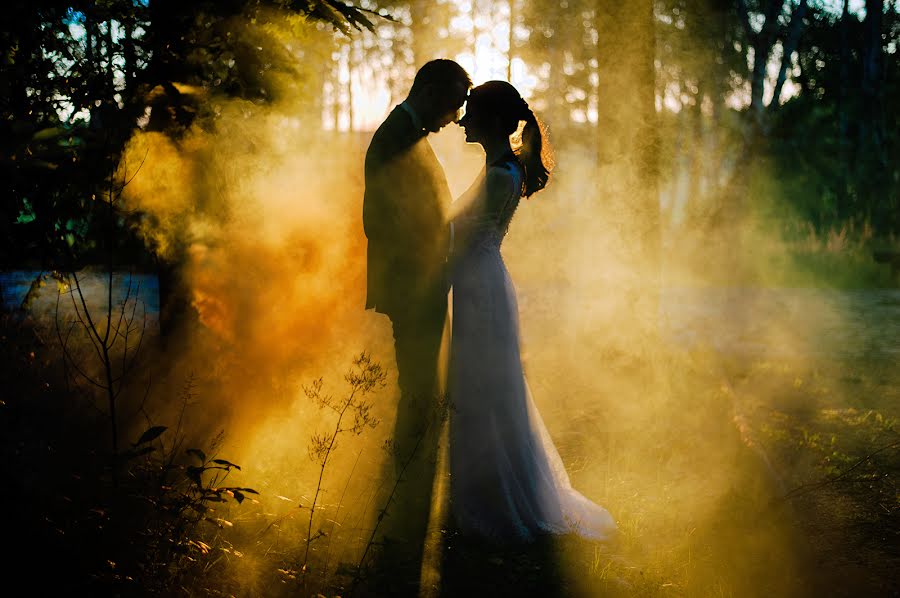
404,217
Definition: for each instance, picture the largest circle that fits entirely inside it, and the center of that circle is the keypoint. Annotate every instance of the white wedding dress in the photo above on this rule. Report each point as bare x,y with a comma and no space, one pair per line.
507,481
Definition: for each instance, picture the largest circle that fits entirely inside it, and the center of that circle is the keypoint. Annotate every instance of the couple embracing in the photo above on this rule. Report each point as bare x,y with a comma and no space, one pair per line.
507,482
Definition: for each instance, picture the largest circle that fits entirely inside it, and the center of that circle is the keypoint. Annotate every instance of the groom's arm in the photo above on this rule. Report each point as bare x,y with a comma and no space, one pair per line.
397,213
382,220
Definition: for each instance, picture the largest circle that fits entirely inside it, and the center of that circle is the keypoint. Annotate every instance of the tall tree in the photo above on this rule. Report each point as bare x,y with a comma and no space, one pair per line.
192,47
629,144
872,160
75,99
561,43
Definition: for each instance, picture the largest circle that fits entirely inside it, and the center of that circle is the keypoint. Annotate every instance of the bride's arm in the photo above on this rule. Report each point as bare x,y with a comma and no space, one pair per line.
463,203
500,190
463,213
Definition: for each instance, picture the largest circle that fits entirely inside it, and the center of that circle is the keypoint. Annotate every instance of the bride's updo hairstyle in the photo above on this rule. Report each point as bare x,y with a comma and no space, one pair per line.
501,100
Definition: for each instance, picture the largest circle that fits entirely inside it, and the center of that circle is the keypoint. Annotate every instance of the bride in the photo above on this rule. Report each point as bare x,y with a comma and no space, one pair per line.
507,481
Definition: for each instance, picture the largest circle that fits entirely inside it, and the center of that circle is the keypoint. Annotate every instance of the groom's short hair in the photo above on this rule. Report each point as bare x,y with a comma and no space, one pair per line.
442,72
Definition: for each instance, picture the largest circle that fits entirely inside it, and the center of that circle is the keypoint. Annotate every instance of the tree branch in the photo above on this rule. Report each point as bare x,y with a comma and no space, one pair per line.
805,488
770,26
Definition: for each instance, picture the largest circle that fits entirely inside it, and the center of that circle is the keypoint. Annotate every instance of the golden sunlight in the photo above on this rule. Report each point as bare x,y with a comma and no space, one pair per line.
673,349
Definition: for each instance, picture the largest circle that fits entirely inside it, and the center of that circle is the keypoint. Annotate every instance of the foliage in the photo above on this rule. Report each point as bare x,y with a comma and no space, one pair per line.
160,529
366,377
187,509
845,175
81,79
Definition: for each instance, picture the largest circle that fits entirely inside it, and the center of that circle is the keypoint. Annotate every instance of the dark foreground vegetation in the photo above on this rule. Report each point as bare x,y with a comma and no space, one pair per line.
808,506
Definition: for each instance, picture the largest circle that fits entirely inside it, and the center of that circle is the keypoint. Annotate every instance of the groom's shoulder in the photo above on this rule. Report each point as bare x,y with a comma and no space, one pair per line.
392,127
391,137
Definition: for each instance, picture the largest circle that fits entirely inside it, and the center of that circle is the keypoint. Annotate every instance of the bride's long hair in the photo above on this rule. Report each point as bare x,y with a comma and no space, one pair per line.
503,100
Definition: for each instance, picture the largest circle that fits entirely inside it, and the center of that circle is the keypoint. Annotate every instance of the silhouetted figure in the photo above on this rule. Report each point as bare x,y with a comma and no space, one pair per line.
507,481
405,220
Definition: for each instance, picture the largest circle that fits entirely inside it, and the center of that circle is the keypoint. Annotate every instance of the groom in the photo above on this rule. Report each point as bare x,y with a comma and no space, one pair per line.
404,217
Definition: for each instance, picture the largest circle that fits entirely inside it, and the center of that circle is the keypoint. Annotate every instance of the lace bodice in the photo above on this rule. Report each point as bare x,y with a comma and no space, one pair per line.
487,208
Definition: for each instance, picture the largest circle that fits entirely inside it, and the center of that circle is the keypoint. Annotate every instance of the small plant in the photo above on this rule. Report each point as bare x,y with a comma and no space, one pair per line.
115,333
353,416
182,498
439,414
116,341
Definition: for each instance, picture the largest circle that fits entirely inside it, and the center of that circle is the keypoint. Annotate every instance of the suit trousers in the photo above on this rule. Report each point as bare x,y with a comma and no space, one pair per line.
417,341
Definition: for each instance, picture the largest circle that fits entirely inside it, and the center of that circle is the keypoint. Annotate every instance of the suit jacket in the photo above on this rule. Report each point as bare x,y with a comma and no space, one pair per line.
404,217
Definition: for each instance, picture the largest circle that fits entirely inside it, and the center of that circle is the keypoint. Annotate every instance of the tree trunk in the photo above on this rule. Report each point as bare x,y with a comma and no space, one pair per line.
511,39
129,67
417,13
696,145
871,143
556,111
336,92
758,77
629,147
871,63
789,46
843,194
350,46
167,47
762,43
110,63
91,61
89,34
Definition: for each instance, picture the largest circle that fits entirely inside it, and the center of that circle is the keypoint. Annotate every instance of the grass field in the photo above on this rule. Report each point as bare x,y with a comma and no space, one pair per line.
756,456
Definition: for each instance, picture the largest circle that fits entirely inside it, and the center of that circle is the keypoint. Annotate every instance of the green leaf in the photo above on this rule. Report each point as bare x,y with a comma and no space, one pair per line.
197,453
226,463
151,433
238,496
49,133
25,218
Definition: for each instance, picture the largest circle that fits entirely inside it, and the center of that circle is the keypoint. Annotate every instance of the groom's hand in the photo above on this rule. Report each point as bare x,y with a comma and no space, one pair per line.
450,244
